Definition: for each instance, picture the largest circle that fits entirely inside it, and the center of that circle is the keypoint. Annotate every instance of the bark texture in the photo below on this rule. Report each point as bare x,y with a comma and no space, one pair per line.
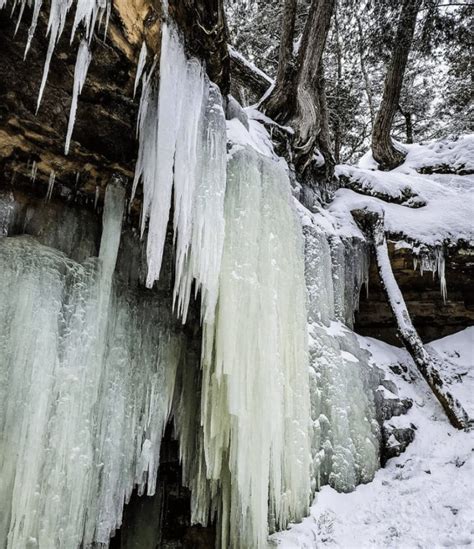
281,94
298,98
383,149
373,225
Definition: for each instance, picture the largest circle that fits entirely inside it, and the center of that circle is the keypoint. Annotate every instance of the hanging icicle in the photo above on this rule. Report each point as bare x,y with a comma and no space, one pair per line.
80,72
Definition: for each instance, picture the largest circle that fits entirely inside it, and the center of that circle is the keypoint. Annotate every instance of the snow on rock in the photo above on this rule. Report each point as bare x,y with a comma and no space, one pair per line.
421,499
430,209
455,154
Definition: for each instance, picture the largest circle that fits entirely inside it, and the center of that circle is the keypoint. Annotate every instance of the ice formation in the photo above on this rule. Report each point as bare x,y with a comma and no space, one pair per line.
87,375
182,148
140,67
254,461
345,431
52,179
87,13
103,367
433,261
80,72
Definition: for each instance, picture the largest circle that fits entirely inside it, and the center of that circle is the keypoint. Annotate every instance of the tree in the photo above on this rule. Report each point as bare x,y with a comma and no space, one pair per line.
383,149
299,96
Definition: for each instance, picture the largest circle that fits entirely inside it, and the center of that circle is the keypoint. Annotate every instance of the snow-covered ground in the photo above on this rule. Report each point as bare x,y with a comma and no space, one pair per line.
425,497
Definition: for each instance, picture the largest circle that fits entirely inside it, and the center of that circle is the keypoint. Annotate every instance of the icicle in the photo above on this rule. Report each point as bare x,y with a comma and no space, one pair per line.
49,192
182,143
96,197
20,16
87,12
80,72
433,261
441,269
140,67
112,226
34,171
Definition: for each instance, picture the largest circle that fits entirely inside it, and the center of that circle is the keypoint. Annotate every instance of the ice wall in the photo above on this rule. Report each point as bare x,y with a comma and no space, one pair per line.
254,448
345,442
87,373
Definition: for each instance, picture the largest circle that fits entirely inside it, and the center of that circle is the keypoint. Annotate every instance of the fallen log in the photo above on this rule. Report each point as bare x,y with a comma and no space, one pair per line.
372,224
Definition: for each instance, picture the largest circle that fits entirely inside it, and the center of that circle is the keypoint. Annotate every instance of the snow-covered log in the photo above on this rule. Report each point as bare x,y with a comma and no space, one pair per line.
372,223
248,82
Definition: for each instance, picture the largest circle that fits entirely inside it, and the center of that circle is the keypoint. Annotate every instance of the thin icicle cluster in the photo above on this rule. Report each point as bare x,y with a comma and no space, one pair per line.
182,142
87,13
87,374
49,192
83,60
434,262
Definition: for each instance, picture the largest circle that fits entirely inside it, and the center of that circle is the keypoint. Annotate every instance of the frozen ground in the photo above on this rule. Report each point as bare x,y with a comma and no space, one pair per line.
425,497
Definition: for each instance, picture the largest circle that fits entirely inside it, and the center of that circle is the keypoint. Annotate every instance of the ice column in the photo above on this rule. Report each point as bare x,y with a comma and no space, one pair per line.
87,374
255,394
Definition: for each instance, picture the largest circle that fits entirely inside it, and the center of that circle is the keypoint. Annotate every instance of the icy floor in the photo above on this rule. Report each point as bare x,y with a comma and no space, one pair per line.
422,499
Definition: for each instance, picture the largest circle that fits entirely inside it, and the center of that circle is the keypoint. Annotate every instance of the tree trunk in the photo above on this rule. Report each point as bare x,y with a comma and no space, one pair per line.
276,103
306,118
247,83
408,124
296,98
373,225
365,74
323,141
337,121
383,148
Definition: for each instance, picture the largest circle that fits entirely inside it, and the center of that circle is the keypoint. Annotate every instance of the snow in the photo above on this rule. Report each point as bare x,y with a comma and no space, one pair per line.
433,209
421,499
457,354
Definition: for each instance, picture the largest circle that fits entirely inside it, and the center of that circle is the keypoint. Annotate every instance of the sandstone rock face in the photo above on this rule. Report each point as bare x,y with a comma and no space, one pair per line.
432,317
103,140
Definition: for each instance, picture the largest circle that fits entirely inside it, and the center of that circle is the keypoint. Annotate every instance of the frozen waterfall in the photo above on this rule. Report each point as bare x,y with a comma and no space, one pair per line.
93,367
346,435
80,362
